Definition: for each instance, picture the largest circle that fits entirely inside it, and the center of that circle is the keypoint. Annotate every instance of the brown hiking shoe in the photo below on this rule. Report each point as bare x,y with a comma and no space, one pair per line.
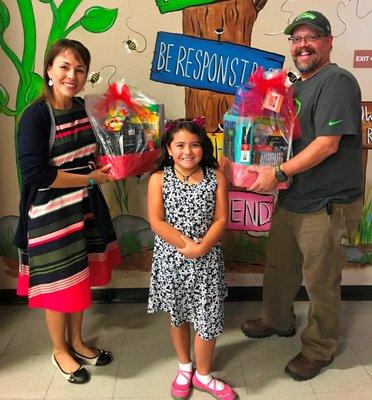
255,328
302,368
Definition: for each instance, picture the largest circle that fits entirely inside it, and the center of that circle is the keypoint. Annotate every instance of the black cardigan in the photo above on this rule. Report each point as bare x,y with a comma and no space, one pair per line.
33,156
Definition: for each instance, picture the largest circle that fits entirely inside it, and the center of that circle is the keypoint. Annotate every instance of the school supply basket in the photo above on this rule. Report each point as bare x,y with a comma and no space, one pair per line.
259,128
127,125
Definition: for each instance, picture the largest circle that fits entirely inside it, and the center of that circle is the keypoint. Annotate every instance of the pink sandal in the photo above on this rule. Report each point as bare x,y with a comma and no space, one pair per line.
181,392
227,393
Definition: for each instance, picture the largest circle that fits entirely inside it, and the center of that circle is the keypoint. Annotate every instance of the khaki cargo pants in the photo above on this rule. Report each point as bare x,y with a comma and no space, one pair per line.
308,247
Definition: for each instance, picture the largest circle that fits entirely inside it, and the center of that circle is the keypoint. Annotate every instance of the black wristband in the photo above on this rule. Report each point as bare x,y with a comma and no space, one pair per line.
279,174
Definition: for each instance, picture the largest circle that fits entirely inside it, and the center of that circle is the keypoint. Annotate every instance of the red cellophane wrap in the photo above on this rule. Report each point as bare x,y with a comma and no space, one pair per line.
260,127
275,83
127,125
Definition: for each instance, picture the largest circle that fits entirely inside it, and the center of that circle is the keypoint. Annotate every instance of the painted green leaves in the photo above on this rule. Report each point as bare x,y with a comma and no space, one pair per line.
34,87
175,5
4,17
98,19
4,97
4,23
95,19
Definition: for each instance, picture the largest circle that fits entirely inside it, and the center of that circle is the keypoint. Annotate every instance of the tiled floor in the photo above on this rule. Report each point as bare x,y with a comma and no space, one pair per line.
145,363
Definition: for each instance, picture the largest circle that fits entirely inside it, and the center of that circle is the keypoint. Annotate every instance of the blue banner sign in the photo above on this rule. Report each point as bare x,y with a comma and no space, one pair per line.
207,64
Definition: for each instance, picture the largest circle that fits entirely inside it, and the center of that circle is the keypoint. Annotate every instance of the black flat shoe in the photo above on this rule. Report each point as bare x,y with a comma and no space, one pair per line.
81,375
103,357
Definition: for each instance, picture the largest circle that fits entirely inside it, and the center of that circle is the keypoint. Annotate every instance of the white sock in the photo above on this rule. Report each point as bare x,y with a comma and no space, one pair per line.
208,380
181,380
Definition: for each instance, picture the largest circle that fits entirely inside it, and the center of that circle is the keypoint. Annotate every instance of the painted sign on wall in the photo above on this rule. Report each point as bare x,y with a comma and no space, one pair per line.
250,211
367,124
207,64
175,5
362,59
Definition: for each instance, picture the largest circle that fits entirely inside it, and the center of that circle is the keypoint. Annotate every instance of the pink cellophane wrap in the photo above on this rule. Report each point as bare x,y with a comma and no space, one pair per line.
241,176
260,128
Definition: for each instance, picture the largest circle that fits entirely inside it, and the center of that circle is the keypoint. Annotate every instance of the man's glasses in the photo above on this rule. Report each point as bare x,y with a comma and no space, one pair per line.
307,38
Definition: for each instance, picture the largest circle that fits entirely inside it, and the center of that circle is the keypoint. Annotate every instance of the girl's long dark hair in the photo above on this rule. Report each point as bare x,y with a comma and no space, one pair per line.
164,160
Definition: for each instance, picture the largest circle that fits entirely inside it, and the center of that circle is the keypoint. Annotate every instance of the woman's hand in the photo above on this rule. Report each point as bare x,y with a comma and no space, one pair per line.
191,249
101,175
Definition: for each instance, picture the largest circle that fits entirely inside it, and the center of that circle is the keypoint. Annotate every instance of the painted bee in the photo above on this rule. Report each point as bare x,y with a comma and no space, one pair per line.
131,45
94,78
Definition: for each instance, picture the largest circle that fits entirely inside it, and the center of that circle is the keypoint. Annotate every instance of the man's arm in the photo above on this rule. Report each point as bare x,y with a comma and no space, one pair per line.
317,151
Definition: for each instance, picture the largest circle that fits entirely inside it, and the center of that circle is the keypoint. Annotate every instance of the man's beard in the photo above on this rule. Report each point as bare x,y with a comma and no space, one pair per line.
308,66
305,68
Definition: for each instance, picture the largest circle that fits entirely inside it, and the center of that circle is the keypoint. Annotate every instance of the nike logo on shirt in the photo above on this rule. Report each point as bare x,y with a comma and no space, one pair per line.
331,123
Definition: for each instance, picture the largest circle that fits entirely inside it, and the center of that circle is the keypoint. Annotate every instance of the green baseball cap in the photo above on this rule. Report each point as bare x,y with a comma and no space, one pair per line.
313,18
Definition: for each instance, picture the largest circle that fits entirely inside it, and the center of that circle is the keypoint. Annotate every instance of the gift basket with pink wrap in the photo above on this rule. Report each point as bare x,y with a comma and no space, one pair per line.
127,125
259,128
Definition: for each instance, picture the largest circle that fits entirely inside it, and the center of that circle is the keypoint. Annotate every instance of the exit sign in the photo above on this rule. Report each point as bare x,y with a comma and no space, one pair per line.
362,59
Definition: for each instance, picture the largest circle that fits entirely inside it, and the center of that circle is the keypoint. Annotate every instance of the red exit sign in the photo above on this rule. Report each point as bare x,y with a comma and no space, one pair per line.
362,58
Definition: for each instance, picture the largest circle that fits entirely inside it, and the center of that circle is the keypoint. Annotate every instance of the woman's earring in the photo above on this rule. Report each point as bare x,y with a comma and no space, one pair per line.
50,82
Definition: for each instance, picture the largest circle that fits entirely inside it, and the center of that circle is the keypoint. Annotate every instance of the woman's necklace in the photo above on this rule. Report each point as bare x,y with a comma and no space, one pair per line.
185,178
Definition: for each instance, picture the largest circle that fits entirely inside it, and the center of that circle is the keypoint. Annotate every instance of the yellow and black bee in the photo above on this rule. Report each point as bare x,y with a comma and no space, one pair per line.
131,45
95,77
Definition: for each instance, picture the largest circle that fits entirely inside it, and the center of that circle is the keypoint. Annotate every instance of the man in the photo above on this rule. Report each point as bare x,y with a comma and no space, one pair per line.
324,199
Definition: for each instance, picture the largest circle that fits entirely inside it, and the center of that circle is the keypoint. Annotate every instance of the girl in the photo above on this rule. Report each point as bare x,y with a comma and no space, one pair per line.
66,238
187,209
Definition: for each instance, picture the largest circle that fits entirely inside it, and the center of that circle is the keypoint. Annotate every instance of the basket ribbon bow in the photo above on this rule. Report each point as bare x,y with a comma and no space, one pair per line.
120,91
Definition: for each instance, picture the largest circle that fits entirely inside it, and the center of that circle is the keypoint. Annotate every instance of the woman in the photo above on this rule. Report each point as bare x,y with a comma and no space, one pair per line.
66,238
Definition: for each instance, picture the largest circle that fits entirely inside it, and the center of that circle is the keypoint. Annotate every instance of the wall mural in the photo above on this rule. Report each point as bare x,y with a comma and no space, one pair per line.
228,25
235,18
343,7
95,19
134,234
201,59
208,67
204,60
131,44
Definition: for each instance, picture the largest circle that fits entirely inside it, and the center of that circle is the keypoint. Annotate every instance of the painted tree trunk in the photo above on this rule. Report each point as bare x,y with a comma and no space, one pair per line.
236,18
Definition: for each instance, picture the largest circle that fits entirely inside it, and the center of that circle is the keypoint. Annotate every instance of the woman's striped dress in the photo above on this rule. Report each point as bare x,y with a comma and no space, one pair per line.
66,254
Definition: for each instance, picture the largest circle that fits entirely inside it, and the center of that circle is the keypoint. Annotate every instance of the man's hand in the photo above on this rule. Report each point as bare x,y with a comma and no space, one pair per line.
266,180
